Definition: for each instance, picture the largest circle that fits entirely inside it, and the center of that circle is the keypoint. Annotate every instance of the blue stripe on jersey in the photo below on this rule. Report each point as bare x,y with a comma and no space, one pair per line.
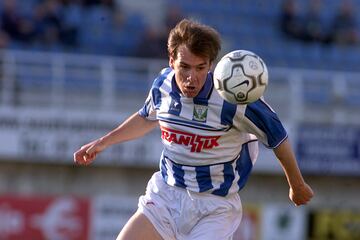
206,89
178,175
163,169
227,113
266,120
156,94
144,112
156,97
243,165
201,101
203,178
229,177
190,124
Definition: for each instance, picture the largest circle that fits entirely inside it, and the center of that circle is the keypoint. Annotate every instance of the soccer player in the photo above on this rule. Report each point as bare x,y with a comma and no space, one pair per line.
210,146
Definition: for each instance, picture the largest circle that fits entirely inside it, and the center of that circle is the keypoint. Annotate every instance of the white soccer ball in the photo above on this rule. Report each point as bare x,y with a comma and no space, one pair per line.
241,77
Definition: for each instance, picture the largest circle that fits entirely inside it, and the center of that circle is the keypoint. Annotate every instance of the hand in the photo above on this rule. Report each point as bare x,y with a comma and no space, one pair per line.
300,195
87,153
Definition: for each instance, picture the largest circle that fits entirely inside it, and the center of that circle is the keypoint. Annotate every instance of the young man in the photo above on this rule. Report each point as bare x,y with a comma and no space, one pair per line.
210,146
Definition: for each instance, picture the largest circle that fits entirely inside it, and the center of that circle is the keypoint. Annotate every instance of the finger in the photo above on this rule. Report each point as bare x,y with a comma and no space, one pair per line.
89,158
90,151
86,161
81,158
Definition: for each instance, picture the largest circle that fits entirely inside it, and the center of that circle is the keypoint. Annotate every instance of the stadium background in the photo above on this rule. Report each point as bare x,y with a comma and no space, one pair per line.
78,68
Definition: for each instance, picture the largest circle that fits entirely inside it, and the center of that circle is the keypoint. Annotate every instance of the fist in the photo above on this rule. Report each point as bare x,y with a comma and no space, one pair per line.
87,153
301,195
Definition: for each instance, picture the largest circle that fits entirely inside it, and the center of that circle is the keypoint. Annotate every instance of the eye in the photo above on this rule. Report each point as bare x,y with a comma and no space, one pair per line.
183,66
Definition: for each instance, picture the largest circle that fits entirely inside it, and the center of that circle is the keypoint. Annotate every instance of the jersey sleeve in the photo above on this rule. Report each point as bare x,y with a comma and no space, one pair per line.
261,120
153,101
148,110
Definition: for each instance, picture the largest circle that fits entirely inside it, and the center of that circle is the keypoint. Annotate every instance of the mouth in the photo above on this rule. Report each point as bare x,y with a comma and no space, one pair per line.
189,91
190,88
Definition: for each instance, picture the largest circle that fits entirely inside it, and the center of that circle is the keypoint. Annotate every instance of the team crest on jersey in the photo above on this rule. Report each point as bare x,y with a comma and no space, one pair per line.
200,113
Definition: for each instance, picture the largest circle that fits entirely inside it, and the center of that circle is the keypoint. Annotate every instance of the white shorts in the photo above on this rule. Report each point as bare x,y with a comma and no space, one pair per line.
180,214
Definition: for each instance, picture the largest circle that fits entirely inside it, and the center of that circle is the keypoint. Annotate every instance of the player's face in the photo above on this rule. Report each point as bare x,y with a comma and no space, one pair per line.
190,71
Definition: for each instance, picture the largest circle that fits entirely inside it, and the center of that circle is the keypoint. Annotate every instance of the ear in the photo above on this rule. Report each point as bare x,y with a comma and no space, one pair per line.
171,62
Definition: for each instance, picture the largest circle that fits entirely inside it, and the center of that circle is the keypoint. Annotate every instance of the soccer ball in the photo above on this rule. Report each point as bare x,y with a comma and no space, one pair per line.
241,77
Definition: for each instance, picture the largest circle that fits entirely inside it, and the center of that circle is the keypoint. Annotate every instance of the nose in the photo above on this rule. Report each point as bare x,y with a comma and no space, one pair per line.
191,75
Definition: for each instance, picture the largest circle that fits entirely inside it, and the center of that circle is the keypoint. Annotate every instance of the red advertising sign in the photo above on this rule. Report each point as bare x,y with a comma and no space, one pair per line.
61,218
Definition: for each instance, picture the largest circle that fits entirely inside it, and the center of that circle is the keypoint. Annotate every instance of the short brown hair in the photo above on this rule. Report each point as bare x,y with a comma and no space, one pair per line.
202,40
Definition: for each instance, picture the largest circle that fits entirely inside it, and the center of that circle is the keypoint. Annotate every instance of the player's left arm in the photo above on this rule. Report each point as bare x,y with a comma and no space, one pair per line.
300,192
261,120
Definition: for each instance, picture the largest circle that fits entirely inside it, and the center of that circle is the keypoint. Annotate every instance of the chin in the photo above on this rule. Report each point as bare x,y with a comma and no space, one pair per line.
190,95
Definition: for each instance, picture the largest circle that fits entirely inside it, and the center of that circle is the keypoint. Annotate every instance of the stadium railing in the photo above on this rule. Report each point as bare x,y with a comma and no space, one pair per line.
54,80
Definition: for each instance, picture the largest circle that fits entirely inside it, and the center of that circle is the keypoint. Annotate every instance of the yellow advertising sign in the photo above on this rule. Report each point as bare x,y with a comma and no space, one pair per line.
335,224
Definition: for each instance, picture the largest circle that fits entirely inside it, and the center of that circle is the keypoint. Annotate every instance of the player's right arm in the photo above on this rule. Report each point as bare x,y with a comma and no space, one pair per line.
134,127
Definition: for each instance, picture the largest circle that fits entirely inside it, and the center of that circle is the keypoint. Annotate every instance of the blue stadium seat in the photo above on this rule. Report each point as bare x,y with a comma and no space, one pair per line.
96,30
127,37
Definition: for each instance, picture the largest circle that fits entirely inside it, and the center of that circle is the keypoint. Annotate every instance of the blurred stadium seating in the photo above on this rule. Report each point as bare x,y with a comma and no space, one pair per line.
248,24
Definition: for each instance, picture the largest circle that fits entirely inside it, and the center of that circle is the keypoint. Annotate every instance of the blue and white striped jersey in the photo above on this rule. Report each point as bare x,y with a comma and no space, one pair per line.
210,145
